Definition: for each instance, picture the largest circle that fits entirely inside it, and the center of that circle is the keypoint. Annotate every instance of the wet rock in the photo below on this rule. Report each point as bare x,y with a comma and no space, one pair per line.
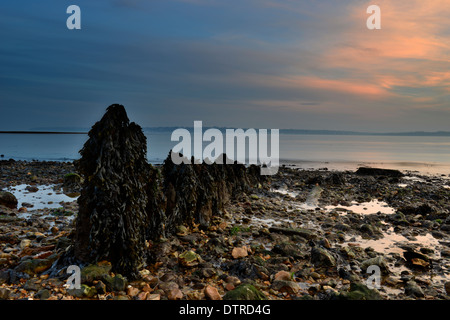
379,261
32,189
239,252
285,286
244,292
8,200
211,293
116,283
283,275
447,287
321,257
302,232
5,293
289,250
358,291
35,266
72,183
416,259
189,259
95,272
42,294
83,291
413,289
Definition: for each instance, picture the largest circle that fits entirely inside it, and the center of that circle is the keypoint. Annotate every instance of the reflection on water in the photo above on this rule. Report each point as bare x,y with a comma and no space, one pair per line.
45,197
371,207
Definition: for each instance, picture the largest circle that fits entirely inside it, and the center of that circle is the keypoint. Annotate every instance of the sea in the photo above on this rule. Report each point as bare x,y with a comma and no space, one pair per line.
422,154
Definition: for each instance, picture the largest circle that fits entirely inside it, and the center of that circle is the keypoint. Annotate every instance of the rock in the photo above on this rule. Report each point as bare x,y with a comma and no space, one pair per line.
377,261
189,259
289,250
42,294
132,291
239,252
244,292
154,296
285,286
321,257
35,266
447,287
379,172
283,275
24,243
100,287
417,260
8,200
83,291
175,294
413,289
116,283
358,291
72,183
4,293
95,272
302,232
32,189
211,293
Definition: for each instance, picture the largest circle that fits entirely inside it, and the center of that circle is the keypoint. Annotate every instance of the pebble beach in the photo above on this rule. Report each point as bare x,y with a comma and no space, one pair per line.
306,234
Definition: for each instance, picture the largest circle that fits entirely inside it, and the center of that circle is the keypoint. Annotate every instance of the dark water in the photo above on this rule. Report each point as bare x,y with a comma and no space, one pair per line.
425,154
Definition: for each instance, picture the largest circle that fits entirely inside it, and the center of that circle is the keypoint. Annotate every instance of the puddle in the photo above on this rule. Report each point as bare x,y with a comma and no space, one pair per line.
371,207
44,197
292,194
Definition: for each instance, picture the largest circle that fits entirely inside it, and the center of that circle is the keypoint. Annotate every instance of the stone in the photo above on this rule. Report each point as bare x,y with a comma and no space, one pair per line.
377,261
211,293
447,287
93,272
4,293
239,252
321,257
83,291
154,296
24,243
132,291
358,291
244,292
189,259
290,287
175,294
302,232
283,275
100,287
8,200
413,289
35,266
42,294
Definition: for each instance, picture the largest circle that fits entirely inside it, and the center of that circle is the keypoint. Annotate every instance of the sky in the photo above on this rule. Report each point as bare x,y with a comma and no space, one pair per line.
272,64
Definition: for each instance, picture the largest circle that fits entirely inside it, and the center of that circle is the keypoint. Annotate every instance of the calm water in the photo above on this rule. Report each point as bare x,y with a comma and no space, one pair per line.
425,154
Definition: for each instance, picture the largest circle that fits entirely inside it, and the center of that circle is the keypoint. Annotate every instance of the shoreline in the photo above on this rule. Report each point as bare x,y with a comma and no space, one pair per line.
309,234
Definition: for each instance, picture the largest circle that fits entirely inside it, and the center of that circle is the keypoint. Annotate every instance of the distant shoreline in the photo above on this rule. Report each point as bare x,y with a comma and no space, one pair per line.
282,131
41,132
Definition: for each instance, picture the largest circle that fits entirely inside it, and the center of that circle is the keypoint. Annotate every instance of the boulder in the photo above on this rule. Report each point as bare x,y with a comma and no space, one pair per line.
8,200
321,257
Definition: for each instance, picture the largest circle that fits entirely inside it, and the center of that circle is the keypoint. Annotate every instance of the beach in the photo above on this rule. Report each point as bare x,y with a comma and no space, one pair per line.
304,234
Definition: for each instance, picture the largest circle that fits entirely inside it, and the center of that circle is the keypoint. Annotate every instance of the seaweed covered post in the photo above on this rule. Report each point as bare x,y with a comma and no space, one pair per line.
111,220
